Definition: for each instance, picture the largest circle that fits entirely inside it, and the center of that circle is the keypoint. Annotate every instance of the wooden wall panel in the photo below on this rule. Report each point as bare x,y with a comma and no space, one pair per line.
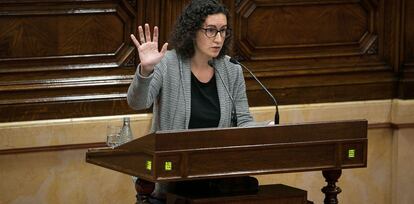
171,9
74,58
50,36
305,29
406,89
64,53
306,49
408,15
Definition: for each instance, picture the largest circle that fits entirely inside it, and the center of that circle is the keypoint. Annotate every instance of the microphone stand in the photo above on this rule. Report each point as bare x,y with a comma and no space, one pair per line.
234,61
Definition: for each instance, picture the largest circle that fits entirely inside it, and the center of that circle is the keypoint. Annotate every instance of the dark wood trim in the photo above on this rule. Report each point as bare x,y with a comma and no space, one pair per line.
380,125
68,109
402,126
52,148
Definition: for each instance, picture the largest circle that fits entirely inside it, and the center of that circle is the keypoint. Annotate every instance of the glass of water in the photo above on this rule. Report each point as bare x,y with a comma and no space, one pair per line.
113,137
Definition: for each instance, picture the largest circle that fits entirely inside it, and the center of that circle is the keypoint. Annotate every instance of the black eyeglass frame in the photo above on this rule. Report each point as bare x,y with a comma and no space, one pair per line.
226,32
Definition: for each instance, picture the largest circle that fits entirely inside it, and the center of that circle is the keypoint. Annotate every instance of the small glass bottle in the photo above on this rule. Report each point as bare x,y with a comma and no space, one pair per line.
126,132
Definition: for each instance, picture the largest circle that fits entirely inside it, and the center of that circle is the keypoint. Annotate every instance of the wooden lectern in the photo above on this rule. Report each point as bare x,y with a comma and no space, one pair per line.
213,153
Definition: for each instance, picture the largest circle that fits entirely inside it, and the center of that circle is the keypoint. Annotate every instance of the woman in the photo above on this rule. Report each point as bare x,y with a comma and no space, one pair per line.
189,86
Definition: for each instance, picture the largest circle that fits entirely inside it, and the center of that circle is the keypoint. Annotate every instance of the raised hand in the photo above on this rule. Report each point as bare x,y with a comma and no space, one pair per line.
148,49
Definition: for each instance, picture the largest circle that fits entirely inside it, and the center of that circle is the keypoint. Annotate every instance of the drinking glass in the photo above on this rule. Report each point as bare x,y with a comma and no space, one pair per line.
113,137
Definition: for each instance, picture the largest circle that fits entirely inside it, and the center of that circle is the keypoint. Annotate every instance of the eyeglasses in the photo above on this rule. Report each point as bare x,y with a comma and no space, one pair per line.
212,32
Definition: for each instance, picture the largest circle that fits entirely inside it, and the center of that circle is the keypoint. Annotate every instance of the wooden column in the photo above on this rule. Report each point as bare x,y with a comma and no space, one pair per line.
331,190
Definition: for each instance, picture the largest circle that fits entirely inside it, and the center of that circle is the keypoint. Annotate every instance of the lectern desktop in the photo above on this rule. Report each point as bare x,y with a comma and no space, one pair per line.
166,156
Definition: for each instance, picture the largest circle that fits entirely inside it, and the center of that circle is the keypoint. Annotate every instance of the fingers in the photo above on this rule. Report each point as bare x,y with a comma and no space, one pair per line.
135,41
147,37
164,48
147,33
141,34
155,37
143,38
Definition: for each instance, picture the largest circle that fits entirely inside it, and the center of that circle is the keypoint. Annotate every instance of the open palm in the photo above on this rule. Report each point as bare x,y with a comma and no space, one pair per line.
148,49
149,54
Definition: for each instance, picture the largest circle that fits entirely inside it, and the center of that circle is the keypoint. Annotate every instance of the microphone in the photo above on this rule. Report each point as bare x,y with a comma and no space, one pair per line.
233,110
234,61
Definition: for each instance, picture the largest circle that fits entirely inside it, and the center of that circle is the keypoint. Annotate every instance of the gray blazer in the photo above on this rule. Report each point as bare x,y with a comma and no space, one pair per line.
168,89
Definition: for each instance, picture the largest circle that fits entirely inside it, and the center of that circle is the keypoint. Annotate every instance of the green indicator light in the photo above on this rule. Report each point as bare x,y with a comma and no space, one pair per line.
351,153
168,166
148,165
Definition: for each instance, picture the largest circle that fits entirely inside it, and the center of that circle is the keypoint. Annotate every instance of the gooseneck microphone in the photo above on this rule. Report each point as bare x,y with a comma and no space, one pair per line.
233,110
234,61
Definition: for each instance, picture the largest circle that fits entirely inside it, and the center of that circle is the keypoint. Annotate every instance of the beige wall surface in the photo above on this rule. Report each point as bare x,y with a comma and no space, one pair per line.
60,177
361,185
30,173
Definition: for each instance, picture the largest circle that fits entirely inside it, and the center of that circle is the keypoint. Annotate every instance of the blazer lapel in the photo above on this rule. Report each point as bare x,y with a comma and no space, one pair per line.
224,98
186,74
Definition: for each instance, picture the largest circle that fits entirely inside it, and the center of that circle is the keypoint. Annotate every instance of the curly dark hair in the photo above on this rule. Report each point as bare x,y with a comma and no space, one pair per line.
190,21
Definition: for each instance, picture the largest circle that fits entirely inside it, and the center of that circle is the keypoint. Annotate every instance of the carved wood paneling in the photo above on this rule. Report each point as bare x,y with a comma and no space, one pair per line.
406,89
310,51
306,29
171,9
64,53
38,36
408,16
65,109
74,58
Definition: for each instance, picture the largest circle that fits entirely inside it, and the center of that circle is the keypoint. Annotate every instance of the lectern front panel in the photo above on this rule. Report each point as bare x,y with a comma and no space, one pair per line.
208,153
